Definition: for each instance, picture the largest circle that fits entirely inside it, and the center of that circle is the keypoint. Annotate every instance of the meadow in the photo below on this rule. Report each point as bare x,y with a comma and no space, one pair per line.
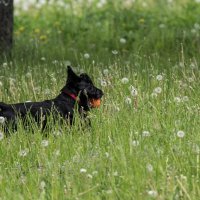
144,142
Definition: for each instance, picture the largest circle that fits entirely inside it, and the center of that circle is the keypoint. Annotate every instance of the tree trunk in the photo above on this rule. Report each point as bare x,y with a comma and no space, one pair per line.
6,26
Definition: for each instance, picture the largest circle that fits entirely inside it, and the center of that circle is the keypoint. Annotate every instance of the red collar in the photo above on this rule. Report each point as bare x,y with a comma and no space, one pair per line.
73,96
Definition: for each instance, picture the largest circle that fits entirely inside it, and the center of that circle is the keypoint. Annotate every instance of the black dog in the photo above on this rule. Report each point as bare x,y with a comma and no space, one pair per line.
77,90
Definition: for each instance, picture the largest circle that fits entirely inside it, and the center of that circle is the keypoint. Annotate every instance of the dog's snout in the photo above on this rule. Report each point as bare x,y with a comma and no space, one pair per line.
99,93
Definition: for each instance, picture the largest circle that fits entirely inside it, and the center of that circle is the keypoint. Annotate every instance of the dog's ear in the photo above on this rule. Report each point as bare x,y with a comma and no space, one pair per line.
71,75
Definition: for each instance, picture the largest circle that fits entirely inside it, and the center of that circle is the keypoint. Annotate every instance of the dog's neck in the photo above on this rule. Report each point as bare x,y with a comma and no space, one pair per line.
70,94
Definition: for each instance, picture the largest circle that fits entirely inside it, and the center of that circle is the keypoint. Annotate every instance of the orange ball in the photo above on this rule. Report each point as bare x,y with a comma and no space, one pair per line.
95,103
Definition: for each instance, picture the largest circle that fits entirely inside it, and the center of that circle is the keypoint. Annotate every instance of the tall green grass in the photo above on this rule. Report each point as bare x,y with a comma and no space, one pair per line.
135,148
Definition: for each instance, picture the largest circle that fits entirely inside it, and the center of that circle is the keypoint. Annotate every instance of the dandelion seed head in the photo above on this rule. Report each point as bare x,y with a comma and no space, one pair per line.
42,185
154,95
2,119
193,30
159,77
158,90
190,79
122,40
115,52
177,99
196,25
145,133
135,143
94,173
5,64
128,100
103,83
43,58
89,176
45,143
115,173
124,80
107,155
82,170
28,74
134,92
185,98
23,152
105,72
180,134
86,55
162,26
152,193
149,168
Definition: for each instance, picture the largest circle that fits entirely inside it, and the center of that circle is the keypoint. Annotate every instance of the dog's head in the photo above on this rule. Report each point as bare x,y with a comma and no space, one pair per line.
83,87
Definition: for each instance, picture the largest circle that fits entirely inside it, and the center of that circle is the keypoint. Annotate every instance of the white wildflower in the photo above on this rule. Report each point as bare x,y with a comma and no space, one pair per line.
149,168
82,170
135,143
55,62
190,79
177,99
153,94
67,63
94,173
197,26
105,72
57,133
193,66
89,176
162,26
53,79
107,154
23,179
45,143
158,90
159,77
47,91
43,58
86,55
2,119
23,152
145,133
183,177
115,52
128,100
193,31
185,98
152,193
125,80
5,64
122,40
180,134
1,84
115,173
42,185
134,92
131,87
28,74
57,152
103,83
